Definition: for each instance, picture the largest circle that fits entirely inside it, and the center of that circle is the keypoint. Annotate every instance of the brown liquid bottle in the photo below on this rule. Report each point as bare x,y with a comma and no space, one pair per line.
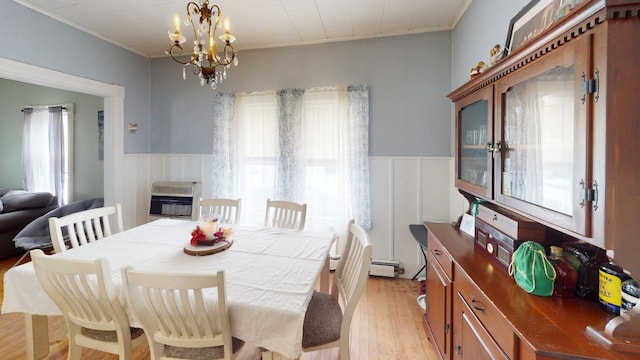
566,275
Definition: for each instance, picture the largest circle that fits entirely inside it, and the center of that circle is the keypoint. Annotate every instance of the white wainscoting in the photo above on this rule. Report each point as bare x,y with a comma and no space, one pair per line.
404,190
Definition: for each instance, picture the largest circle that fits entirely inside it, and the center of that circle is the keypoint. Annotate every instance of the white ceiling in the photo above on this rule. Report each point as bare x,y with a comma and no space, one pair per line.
142,25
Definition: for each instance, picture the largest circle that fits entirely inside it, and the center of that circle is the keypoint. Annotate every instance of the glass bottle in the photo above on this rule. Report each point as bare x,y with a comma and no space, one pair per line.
610,290
566,275
586,259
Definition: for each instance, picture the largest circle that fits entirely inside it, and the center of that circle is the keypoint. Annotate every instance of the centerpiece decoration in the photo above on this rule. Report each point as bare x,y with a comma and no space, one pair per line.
208,239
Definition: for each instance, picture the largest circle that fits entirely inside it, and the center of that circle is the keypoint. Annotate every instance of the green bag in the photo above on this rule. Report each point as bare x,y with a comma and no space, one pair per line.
532,270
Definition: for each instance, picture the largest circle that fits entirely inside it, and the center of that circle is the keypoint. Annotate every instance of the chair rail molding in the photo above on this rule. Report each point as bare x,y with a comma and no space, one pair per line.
404,190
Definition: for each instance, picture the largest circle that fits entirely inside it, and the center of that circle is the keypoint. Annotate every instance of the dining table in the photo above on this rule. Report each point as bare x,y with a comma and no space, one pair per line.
270,277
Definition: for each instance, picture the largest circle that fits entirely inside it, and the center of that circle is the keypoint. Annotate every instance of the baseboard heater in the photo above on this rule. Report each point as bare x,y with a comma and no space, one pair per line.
386,268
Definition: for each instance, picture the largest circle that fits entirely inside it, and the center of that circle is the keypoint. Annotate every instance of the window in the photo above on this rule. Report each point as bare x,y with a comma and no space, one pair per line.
256,121
296,145
47,150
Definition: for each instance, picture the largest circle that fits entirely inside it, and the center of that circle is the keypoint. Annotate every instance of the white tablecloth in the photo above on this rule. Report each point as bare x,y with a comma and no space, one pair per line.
270,275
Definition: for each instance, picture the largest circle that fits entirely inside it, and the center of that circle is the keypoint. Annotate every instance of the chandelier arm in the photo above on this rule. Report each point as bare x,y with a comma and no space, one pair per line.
196,69
226,56
214,11
195,10
180,53
217,11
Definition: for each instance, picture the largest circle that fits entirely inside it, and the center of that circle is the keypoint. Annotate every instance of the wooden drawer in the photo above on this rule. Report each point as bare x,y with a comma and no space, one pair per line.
475,342
513,225
487,314
440,255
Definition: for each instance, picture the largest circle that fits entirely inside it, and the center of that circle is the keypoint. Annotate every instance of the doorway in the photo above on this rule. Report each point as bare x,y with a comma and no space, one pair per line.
113,113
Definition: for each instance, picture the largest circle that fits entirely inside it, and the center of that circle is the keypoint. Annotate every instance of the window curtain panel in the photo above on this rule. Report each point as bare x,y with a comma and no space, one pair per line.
45,166
32,158
224,145
57,155
358,154
289,168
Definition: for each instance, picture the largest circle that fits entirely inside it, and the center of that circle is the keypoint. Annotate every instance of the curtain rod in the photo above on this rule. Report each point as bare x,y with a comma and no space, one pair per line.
43,106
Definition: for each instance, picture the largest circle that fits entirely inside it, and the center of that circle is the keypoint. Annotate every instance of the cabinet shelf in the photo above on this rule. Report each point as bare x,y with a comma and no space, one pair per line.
475,147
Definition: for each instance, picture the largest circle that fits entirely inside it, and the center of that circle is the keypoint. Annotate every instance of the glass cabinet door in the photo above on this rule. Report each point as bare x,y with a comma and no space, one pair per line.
539,141
474,125
543,133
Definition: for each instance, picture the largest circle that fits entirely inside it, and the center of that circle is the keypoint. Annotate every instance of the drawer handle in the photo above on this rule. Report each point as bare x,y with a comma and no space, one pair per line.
437,252
476,306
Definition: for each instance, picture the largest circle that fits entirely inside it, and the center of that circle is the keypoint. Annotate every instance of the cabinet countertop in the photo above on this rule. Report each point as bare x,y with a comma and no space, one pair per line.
552,326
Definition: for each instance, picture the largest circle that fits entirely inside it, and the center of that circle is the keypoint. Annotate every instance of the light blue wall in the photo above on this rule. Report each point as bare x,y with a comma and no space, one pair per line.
88,170
408,76
42,41
484,24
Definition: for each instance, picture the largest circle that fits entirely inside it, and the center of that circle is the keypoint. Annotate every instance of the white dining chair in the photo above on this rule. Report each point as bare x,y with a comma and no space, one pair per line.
327,321
179,320
92,310
83,227
285,214
227,210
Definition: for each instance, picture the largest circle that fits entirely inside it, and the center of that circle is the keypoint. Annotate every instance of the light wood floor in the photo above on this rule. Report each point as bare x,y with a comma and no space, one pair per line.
387,325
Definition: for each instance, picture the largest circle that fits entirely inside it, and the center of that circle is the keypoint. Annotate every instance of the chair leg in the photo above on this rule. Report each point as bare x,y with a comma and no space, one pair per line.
419,272
344,348
20,260
156,349
75,350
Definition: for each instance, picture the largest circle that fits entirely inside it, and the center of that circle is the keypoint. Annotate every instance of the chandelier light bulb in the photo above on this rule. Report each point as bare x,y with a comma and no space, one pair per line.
176,23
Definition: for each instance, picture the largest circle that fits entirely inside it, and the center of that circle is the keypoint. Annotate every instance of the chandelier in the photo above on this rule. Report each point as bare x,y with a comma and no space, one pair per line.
209,65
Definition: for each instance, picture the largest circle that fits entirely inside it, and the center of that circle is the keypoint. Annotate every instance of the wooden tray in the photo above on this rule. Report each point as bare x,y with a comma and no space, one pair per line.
206,250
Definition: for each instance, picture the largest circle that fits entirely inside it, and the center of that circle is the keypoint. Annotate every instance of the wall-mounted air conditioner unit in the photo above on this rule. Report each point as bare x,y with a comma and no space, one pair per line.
174,199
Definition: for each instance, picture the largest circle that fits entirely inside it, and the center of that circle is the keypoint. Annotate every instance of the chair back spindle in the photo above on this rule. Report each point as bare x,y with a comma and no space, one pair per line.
285,214
177,317
227,210
83,227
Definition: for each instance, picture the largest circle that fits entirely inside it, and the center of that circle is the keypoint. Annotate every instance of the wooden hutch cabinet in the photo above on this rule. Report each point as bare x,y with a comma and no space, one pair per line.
549,133
562,128
439,275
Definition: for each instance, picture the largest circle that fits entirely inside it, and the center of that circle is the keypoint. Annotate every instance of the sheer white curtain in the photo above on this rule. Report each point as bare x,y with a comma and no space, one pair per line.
256,141
308,146
47,150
